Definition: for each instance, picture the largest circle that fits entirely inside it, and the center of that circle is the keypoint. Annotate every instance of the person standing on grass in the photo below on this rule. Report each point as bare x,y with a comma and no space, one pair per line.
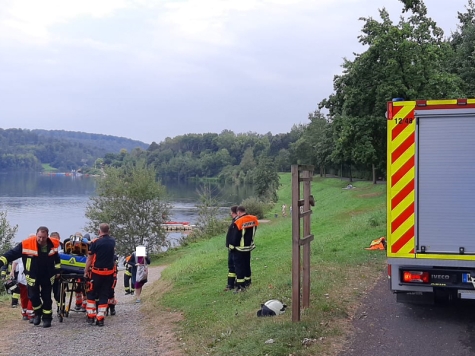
231,267
242,241
284,210
135,261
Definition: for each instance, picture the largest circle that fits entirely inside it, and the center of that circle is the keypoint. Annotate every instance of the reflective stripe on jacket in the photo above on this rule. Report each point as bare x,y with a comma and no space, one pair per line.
243,234
28,251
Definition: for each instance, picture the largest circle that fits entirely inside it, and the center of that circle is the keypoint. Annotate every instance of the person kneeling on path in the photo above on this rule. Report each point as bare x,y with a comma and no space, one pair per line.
42,265
99,273
242,241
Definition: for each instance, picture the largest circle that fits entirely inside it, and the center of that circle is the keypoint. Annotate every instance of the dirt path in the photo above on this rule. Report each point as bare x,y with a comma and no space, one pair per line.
136,329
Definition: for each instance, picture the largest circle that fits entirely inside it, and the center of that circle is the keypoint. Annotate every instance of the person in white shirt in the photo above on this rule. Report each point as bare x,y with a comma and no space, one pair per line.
26,306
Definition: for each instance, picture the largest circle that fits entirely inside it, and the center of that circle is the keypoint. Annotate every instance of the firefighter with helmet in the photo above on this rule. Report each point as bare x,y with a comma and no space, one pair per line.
42,265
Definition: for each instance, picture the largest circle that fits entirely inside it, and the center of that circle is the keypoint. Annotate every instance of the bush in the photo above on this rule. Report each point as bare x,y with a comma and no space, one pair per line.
255,207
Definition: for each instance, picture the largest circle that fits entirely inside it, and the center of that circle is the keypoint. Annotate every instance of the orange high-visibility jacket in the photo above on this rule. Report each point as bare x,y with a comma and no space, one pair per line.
28,250
242,238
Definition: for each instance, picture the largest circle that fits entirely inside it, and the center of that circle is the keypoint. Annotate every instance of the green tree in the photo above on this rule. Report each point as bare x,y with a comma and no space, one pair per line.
7,233
131,200
208,224
282,160
266,179
462,42
247,162
409,60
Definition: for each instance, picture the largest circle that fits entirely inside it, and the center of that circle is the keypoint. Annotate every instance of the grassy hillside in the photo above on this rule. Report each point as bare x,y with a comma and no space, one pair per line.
222,323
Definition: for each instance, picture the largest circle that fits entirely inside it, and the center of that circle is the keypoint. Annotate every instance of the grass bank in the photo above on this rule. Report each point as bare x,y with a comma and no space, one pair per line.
222,323
47,168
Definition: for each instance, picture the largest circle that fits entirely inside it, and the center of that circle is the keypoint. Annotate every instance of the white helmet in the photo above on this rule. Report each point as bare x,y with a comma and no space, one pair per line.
272,307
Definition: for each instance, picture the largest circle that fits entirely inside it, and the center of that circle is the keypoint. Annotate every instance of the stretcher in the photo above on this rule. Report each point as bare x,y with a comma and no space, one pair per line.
71,281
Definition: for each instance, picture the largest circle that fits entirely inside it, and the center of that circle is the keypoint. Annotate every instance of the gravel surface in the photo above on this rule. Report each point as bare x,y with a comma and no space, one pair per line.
123,334
383,327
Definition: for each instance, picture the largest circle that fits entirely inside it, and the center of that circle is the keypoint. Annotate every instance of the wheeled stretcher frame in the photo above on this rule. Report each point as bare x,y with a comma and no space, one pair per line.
70,283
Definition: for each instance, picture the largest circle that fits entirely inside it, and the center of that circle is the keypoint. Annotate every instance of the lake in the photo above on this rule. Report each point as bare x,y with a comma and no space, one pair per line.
59,201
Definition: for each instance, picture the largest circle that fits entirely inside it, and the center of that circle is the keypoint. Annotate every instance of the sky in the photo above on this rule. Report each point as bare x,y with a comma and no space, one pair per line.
152,69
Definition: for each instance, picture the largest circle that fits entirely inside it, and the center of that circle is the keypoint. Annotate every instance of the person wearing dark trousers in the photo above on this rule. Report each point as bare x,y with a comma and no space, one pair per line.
242,242
231,269
56,284
42,265
128,284
99,273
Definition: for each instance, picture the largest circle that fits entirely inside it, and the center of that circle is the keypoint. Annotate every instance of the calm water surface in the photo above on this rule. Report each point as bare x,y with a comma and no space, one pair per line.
59,201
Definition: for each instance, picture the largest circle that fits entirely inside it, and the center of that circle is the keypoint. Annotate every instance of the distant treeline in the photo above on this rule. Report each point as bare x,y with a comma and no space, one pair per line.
64,150
227,156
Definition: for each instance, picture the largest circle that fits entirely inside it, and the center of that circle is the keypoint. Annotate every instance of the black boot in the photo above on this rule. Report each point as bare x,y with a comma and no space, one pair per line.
231,283
112,309
37,319
46,323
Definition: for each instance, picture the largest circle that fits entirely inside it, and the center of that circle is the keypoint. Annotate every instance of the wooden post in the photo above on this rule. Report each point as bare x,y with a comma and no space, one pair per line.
301,174
306,246
295,244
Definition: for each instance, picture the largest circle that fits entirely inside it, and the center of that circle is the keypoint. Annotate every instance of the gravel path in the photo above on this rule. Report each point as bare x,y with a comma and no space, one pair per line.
123,334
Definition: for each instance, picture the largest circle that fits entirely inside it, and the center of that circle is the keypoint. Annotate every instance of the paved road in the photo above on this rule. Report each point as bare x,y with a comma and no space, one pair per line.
386,328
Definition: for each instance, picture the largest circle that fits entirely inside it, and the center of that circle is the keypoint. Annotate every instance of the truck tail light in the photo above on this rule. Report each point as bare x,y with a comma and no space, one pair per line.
415,277
389,271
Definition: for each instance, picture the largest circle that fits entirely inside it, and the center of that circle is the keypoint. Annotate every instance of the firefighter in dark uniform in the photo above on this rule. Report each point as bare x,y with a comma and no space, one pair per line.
128,285
42,265
242,242
231,268
99,272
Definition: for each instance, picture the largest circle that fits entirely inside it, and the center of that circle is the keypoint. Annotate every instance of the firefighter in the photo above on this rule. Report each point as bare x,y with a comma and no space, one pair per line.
42,265
242,242
128,285
231,268
99,273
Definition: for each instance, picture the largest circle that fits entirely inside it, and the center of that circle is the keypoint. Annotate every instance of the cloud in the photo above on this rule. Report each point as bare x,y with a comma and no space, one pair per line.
30,20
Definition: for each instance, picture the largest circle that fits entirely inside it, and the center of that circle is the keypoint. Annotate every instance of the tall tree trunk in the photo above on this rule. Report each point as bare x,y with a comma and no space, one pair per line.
374,174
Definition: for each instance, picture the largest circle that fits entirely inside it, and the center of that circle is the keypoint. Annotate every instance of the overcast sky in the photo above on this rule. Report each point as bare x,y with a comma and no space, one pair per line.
151,69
